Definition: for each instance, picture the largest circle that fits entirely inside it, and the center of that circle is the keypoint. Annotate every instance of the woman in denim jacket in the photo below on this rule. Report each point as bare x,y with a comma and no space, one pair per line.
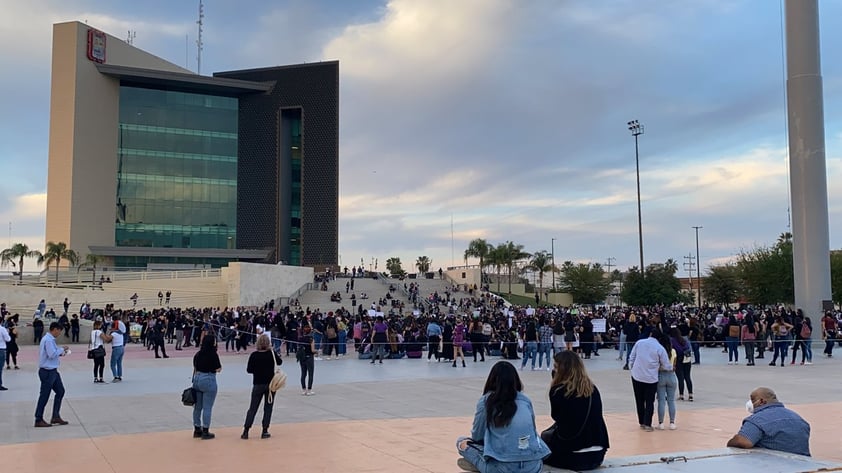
504,437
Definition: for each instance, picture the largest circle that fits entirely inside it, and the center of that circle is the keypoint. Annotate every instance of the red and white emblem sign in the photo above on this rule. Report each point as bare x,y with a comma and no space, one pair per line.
96,45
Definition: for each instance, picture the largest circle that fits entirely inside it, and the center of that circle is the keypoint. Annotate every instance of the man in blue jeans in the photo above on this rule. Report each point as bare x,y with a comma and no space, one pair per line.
118,346
48,363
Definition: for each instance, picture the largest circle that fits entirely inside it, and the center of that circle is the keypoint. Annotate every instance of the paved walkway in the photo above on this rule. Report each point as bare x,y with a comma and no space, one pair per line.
403,415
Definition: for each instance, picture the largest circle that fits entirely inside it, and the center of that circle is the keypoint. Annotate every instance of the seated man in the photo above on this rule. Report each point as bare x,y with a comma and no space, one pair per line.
772,426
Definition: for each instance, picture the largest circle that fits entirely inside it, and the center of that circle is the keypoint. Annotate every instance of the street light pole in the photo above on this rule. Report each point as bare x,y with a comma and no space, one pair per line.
552,249
698,267
637,129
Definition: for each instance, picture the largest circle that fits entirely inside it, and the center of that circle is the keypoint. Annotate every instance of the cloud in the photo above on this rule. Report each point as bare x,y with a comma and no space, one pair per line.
29,207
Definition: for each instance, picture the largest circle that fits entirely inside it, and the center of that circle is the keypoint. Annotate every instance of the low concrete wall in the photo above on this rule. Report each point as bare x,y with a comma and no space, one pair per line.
253,284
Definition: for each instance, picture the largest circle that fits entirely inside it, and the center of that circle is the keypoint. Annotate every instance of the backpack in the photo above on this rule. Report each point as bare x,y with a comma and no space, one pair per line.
805,331
331,332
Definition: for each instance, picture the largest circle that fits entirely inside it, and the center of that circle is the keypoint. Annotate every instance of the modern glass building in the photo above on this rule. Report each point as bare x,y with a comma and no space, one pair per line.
153,166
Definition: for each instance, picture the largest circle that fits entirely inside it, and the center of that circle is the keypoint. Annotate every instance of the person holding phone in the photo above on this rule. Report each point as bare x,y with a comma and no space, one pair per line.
48,364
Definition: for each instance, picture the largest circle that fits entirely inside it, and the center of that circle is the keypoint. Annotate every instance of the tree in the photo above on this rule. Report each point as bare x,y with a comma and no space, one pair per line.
659,286
55,252
836,276
722,284
478,248
540,263
511,254
91,261
423,264
766,273
586,282
496,257
18,251
393,265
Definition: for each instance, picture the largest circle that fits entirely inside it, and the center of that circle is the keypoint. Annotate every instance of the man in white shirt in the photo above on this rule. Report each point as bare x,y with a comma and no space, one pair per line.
4,338
647,357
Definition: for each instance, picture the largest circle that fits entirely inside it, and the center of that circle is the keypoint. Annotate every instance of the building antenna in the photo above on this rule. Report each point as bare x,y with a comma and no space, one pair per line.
131,37
199,43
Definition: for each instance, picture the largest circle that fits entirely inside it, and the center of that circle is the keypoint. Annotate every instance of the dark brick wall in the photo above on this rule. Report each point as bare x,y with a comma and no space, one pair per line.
315,89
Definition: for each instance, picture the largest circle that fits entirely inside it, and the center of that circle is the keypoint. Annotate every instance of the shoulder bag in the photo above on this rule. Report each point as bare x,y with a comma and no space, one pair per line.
279,380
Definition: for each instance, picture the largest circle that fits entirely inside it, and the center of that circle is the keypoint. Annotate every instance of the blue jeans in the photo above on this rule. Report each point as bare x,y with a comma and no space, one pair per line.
342,348
50,382
545,349
781,347
667,383
621,348
629,346
696,355
317,339
117,361
205,386
489,465
807,347
732,343
529,350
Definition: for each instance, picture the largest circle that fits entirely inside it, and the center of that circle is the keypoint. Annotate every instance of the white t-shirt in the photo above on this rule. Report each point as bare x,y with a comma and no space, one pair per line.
117,338
96,339
4,337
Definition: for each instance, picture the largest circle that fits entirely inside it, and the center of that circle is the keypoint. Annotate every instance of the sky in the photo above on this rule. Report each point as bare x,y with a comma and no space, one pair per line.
495,119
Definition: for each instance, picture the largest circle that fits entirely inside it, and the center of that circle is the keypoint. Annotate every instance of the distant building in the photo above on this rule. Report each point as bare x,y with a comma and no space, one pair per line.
151,164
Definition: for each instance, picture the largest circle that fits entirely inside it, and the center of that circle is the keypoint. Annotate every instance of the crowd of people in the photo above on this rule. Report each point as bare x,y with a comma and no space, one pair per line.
659,344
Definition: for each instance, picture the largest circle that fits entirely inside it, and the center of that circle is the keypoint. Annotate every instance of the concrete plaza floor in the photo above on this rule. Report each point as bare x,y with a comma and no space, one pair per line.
403,415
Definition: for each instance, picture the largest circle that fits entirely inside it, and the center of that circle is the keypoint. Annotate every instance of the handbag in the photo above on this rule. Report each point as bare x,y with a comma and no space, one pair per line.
279,380
188,397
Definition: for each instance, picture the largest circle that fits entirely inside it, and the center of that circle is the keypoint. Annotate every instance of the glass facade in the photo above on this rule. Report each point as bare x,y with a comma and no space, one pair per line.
176,173
295,189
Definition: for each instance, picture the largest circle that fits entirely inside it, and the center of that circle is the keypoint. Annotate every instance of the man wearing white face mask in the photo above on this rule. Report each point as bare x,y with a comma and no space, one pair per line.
772,426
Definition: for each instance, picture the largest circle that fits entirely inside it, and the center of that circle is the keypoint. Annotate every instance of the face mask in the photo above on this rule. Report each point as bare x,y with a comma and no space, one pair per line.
749,407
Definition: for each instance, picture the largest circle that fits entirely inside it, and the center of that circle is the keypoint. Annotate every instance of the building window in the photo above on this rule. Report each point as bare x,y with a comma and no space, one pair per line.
176,170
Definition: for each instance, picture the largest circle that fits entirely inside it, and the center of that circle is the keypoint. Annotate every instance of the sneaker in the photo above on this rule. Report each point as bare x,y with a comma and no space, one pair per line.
318,358
672,426
809,363
648,428
661,426
465,465
311,393
3,388
303,393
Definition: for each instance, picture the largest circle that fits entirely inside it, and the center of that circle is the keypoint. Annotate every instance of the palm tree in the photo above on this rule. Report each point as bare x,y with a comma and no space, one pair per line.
478,248
19,251
512,253
423,264
55,252
540,262
496,258
91,261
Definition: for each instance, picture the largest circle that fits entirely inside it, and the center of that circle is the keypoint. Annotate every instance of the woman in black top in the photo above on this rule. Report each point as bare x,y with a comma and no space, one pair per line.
12,345
261,365
205,366
578,438
305,354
